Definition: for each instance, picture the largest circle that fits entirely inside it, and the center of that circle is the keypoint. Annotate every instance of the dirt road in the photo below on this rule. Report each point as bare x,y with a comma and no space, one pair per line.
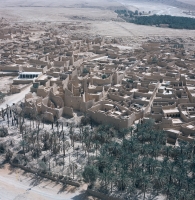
15,98
16,185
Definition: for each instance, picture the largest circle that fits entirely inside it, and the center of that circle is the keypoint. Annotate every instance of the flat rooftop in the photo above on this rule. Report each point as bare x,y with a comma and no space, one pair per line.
173,131
171,111
177,121
29,73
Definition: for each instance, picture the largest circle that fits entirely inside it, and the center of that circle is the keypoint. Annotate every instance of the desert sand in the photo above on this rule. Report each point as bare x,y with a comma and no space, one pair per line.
17,185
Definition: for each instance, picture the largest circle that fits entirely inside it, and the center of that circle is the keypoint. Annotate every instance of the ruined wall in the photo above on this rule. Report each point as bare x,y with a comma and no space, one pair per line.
138,101
28,96
156,117
166,123
140,94
56,100
37,62
153,95
153,78
96,107
183,100
10,68
22,81
165,95
59,64
54,88
66,61
171,135
169,79
169,106
187,139
68,111
78,62
35,69
72,101
96,89
187,131
101,117
47,84
29,110
117,78
48,117
41,92
65,83
166,100
45,101
73,74
86,105
115,97
157,109
191,97
139,115
56,112
183,117
97,97
101,82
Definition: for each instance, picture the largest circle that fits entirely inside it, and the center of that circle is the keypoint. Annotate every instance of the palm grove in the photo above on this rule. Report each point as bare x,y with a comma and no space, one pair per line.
142,165
130,163
140,18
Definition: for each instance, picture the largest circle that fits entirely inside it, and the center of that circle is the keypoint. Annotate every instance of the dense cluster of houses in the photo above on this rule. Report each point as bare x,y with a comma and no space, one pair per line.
95,76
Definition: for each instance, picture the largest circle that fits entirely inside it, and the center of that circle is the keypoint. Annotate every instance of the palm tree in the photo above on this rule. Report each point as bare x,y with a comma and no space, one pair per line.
131,130
96,142
90,174
24,144
145,179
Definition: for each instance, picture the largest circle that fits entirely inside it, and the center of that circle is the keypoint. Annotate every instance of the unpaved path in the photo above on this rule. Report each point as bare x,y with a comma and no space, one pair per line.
16,185
15,98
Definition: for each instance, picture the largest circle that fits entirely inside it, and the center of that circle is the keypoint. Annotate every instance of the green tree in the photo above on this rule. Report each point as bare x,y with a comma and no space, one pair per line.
90,174
136,12
104,76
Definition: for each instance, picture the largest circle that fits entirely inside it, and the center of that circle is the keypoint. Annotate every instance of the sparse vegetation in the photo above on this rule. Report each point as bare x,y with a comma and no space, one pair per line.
104,76
85,71
2,95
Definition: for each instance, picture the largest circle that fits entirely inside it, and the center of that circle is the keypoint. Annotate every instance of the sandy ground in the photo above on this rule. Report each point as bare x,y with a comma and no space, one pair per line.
5,83
124,29
17,185
98,22
31,14
15,98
